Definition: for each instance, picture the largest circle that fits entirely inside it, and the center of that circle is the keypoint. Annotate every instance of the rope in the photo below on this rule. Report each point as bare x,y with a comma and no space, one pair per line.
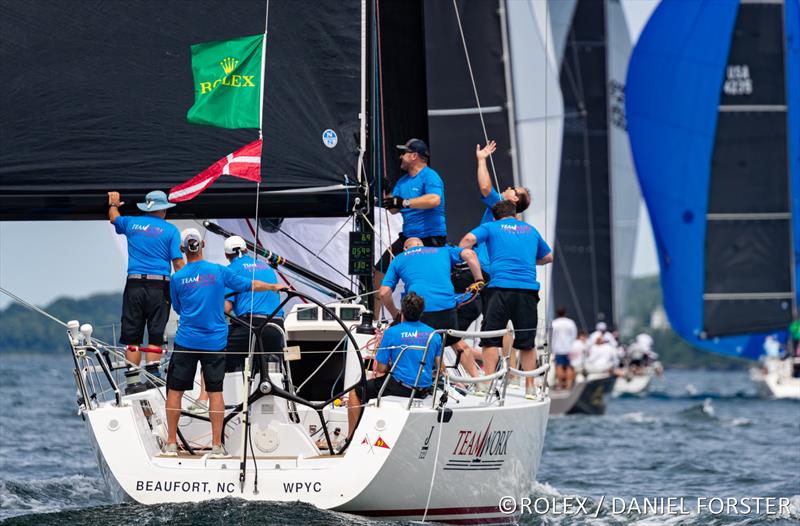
475,90
31,306
439,419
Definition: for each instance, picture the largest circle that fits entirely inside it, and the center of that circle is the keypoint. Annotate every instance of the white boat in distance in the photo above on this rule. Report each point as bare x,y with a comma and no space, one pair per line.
448,457
775,378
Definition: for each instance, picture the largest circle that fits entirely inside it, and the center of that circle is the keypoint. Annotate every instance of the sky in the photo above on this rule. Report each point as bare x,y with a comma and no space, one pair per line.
41,261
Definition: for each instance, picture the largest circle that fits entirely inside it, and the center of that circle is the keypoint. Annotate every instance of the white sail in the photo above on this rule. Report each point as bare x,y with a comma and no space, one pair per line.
625,196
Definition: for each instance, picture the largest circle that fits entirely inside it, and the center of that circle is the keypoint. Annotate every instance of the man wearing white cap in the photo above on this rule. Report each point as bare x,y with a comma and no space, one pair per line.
152,244
242,304
601,331
198,296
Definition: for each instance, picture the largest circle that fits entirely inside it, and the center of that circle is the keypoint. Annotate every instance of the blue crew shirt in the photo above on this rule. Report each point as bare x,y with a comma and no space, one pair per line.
398,337
514,246
426,271
418,222
480,248
152,244
198,296
264,302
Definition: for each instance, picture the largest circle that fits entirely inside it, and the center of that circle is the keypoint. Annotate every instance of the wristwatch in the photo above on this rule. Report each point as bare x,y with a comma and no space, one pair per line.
406,203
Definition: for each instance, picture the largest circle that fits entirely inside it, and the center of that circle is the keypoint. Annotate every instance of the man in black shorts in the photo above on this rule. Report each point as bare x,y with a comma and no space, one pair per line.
198,296
412,335
152,244
419,197
515,248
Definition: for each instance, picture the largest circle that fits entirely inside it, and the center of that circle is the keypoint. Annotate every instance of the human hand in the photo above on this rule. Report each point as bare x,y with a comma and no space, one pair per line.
114,199
393,203
483,153
476,287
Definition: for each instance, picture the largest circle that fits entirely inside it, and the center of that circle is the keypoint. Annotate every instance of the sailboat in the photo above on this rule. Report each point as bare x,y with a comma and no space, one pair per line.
713,108
103,106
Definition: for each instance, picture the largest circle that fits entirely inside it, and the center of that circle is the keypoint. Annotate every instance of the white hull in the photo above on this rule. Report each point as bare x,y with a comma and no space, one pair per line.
775,380
408,461
466,486
633,384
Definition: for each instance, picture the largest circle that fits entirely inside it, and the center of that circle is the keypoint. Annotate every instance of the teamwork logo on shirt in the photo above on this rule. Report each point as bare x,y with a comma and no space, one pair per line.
416,251
415,337
146,230
517,229
199,281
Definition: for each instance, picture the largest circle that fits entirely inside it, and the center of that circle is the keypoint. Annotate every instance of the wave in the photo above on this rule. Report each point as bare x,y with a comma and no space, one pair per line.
222,511
53,494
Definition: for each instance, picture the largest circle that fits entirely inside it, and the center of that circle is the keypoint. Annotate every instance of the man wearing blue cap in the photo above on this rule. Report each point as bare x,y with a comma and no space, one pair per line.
152,244
419,196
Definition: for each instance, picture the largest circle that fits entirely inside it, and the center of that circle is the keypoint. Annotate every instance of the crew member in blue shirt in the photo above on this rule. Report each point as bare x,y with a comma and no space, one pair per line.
426,271
263,305
515,248
410,334
489,197
198,296
153,244
419,197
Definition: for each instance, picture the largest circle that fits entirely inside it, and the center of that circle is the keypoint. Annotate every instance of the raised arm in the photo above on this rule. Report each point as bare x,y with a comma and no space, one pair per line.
484,179
114,202
263,286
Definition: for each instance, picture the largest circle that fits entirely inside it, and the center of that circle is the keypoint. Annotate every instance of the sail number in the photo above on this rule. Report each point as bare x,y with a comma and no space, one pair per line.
360,253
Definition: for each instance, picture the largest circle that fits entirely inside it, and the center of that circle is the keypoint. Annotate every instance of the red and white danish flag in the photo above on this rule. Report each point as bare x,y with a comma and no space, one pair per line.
244,162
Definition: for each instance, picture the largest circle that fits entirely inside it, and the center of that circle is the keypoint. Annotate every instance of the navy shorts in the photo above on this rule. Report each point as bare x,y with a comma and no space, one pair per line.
442,319
562,360
183,366
393,388
516,305
239,339
144,303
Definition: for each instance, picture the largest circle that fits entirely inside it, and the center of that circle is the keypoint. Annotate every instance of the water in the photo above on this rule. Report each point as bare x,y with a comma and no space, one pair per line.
702,434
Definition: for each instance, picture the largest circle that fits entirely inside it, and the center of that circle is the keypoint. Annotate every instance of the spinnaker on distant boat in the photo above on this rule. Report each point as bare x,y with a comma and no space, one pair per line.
713,110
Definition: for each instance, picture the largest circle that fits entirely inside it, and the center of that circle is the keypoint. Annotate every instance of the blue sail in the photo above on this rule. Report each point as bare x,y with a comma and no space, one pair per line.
714,132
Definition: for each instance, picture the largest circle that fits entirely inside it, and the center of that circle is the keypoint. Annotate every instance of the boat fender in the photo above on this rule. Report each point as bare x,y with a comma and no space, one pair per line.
445,414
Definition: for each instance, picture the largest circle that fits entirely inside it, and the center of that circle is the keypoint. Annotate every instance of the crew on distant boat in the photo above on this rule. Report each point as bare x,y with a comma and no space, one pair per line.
489,196
419,196
152,244
261,304
579,351
426,271
601,329
564,334
602,356
411,334
515,248
198,296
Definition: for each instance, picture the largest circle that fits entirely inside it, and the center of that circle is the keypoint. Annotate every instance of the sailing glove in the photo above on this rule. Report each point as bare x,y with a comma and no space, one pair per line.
393,203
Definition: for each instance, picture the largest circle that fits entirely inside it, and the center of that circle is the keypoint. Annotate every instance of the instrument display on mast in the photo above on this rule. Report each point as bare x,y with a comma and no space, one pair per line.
361,253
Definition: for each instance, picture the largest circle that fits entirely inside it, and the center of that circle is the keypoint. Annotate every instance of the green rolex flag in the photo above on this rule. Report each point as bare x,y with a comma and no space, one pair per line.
227,83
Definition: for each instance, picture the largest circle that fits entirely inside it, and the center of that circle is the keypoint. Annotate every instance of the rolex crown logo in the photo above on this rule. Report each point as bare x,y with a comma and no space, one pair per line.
228,64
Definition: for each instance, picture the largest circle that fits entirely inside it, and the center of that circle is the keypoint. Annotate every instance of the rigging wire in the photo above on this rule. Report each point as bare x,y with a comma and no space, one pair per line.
475,90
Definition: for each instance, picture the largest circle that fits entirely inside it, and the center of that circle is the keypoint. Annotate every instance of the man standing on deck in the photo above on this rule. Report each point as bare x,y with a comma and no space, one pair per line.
489,197
419,197
426,271
564,333
152,244
515,248
262,305
198,295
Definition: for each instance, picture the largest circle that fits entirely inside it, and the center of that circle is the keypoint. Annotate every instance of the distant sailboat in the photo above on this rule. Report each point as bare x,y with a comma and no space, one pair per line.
715,130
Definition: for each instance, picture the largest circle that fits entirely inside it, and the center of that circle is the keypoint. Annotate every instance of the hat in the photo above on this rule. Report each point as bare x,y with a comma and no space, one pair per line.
415,146
601,326
155,200
190,239
233,243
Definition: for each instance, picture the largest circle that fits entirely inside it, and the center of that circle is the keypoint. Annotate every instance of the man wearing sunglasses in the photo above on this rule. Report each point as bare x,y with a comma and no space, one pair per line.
419,196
